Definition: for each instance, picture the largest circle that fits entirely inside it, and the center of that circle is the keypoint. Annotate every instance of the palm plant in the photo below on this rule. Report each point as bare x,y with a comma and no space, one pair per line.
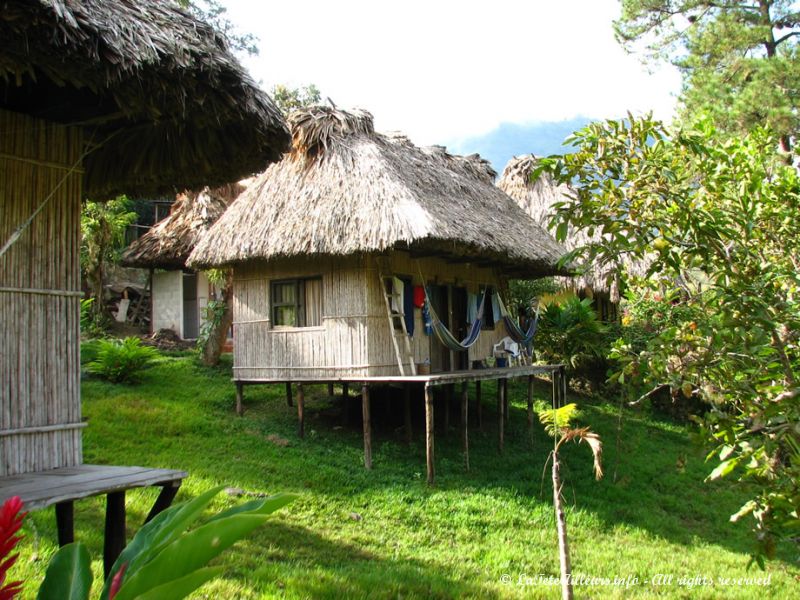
558,424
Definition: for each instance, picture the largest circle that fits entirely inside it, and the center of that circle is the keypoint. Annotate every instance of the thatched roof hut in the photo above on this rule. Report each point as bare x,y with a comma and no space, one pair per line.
536,198
169,242
163,104
344,189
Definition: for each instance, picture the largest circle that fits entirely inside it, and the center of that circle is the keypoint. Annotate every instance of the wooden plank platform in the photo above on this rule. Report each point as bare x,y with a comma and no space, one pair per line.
61,487
45,488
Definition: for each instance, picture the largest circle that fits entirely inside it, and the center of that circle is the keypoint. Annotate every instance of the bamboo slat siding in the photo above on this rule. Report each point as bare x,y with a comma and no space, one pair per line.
353,339
39,330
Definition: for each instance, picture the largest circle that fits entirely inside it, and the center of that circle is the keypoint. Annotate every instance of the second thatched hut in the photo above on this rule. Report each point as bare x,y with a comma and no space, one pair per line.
347,217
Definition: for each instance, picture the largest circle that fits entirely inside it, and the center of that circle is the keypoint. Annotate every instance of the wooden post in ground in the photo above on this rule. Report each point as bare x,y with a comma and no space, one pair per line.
556,387
505,399
115,529
367,427
330,390
65,523
407,412
429,431
165,498
346,402
478,411
530,405
288,394
448,397
301,400
465,422
239,398
501,420
563,374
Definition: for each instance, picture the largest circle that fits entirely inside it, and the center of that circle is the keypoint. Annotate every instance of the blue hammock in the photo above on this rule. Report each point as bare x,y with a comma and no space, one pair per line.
443,333
514,331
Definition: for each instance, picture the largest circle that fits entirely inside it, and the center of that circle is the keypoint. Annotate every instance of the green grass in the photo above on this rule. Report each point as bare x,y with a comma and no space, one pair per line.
385,533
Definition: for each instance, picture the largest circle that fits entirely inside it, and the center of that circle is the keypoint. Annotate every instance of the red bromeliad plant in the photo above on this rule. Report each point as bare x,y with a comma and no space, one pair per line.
10,522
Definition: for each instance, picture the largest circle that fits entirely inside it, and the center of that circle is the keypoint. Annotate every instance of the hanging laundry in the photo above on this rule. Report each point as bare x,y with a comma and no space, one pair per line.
472,307
419,296
397,294
427,323
408,305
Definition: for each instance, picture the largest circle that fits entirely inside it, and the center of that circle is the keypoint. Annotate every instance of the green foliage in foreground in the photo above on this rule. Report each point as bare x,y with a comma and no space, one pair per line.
164,560
384,533
119,361
716,222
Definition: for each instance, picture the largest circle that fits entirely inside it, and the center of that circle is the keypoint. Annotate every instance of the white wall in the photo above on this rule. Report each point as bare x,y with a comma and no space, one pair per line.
167,296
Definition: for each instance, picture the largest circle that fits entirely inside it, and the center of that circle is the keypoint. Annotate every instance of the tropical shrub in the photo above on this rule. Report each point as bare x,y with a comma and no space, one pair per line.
717,221
121,360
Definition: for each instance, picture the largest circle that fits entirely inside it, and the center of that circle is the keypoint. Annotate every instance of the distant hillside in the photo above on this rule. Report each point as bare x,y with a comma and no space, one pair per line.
512,139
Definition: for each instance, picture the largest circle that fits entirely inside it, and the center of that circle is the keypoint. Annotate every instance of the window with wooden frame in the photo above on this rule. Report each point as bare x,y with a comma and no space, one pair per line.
296,302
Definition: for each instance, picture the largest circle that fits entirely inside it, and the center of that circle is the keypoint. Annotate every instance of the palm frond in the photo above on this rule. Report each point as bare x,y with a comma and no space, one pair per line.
556,420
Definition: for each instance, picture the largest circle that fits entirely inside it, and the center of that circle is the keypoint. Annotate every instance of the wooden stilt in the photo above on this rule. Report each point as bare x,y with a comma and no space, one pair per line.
563,375
288,394
478,411
115,529
504,383
429,432
465,422
367,427
407,412
301,400
556,388
501,404
65,523
346,402
165,498
330,390
239,398
530,404
448,396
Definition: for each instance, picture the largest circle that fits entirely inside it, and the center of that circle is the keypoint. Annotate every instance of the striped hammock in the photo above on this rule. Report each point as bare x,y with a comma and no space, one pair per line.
447,338
514,331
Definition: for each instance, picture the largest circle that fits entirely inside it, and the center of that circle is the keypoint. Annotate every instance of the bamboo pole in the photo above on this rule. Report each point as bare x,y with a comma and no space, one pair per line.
367,427
429,432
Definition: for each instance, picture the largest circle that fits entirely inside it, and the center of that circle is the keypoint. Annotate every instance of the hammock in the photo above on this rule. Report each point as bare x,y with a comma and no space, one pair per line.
514,331
447,338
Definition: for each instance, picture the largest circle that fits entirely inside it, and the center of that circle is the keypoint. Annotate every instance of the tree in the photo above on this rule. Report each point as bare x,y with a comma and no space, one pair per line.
103,227
213,13
717,221
558,424
739,58
288,99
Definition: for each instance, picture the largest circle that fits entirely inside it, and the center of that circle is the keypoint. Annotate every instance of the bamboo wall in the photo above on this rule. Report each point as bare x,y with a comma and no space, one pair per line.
354,338
40,413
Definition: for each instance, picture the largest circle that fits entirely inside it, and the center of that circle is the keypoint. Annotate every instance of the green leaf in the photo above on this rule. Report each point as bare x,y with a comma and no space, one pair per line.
68,576
724,468
257,507
162,530
182,587
188,553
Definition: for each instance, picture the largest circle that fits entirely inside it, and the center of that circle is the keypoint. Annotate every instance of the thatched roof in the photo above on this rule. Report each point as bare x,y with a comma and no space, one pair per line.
345,189
536,198
169,242
157,91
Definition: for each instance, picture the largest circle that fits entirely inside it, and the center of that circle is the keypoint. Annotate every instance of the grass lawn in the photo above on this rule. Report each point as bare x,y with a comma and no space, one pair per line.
386,534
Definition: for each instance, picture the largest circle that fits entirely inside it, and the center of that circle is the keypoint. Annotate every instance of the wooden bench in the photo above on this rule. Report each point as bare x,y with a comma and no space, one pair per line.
61,487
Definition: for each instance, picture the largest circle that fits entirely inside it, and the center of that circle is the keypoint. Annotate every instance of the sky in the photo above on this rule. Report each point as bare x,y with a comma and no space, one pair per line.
443,71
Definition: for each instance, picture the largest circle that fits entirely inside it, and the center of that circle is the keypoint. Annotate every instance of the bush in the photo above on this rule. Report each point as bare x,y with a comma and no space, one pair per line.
121,360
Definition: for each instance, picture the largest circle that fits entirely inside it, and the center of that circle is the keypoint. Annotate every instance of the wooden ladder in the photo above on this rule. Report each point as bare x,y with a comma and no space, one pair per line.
393,333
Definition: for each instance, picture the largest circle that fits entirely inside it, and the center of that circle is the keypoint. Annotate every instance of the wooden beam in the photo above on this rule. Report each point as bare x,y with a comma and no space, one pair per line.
478,407
530,405
367,427
465,422
115,530
407,412
65,522
429,433
165,498
288,394
239,398
301,400
500,416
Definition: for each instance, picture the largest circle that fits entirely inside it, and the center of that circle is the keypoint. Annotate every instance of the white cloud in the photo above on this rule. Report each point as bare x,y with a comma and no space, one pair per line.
440,70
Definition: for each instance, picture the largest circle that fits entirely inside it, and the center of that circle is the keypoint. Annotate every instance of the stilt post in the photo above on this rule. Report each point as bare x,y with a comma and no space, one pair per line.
288,394
478,411
301,400
367,427
115,529
239,398
429,432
